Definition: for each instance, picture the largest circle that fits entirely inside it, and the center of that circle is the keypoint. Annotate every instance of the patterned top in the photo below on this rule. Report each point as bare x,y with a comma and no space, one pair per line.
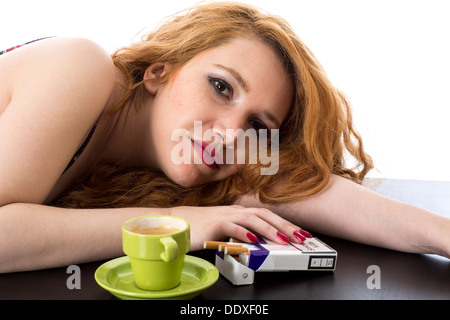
21,45
88,138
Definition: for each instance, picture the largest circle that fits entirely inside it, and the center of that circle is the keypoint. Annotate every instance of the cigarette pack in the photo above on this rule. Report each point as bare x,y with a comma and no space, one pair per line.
267,256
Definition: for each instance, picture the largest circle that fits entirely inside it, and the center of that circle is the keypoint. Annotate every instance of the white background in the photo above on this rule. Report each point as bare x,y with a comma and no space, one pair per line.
390,57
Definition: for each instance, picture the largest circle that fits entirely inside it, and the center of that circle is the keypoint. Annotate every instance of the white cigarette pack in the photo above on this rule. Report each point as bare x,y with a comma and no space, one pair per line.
267,256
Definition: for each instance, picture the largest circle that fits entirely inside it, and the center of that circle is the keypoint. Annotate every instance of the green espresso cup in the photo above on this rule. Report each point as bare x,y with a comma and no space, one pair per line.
156,246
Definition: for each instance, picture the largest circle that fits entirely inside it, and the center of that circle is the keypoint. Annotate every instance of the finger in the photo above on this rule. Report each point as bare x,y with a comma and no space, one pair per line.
239,232
256,224
305,233
285,230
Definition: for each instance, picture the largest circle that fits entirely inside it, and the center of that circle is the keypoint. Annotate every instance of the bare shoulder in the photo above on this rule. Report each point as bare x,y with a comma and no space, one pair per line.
61,57
48,66
56,49
53,93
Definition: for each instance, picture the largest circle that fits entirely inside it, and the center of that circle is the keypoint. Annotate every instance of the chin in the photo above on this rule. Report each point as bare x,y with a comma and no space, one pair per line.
186,178
188,183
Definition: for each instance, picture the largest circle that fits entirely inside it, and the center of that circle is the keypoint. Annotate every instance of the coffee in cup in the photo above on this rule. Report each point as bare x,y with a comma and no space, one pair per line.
156,246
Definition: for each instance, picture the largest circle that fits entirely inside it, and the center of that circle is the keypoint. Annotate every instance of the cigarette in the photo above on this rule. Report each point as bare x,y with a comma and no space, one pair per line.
227,245
218,245
234,250
213,244
236,258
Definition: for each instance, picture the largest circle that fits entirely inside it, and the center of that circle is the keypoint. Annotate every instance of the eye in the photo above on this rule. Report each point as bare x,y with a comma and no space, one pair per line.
259,125
222,87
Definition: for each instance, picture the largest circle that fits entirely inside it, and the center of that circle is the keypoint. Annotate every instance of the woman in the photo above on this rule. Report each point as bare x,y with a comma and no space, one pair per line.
89,144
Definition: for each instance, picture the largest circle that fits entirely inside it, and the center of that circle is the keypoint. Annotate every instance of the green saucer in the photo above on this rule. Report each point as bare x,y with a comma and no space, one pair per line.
116,276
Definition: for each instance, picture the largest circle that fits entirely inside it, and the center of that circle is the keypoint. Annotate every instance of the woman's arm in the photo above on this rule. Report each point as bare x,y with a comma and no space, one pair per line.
36,236
347,210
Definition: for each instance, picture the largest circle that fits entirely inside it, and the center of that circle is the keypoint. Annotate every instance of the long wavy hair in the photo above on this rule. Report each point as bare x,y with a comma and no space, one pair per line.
316,140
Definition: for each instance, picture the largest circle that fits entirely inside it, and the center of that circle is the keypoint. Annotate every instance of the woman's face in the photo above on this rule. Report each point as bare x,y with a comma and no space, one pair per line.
239,85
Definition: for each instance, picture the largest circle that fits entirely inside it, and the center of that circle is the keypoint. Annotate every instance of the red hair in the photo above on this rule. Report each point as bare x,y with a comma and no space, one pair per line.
315,139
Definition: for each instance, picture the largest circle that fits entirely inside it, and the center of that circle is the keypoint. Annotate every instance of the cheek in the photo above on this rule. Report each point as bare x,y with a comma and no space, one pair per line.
178,91
171,113
188,98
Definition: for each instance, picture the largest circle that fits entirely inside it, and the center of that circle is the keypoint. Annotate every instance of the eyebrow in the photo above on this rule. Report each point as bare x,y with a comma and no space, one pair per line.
236,75
271,117
243,84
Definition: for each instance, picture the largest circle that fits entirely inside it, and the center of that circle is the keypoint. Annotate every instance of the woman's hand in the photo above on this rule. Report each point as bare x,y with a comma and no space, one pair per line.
219,223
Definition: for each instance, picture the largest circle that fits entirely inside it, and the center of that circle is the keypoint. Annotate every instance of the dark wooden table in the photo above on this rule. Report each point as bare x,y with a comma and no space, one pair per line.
397,275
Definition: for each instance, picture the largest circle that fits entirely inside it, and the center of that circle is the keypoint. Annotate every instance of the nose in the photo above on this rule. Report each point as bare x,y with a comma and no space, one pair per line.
226,129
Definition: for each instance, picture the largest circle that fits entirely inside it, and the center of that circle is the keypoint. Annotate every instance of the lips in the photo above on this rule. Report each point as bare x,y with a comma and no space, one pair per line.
206,153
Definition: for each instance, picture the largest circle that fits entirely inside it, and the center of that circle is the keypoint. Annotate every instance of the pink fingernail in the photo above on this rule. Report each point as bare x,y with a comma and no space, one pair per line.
252,237
283,237
299,236
306,233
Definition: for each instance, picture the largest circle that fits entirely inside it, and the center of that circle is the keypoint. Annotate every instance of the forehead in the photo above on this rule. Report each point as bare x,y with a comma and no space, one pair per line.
246,54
